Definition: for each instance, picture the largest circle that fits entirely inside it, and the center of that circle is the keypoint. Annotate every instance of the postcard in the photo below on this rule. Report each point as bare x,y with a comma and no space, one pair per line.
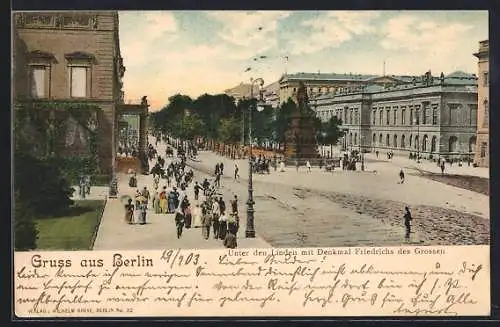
246,164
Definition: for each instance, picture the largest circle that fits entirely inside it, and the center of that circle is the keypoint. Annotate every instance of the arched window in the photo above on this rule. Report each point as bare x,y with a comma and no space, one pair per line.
433,144
374,139
472,144
395,141
387,140
380,139
424,143
416,143
411,139
403,145
350,138
452,144
355,138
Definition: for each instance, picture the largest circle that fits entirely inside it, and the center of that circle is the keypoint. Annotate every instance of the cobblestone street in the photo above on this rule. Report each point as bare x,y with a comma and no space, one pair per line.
313,214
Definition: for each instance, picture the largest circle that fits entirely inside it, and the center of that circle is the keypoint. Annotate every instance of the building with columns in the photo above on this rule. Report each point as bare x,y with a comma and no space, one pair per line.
63,64
482,155
432,116
331,83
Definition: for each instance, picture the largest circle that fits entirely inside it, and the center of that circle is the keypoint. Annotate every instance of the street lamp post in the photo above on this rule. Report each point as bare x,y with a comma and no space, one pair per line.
416,122
362,153
250,229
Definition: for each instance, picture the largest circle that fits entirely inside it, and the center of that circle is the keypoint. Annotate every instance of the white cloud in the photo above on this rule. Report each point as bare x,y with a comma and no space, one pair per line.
252,32
406,32
148,28
332,29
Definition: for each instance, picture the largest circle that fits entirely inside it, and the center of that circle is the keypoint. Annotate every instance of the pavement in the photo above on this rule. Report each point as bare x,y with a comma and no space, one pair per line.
96,193
317,208
160,231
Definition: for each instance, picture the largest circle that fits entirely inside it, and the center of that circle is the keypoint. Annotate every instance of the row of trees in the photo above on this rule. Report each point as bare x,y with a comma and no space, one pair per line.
219,117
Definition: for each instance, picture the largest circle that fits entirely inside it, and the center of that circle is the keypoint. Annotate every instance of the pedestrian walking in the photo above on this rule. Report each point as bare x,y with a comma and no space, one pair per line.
236,170
408,218
144,211
308,165
217,180
442,167
145,194
222,225
179,222
197,189
221,168
297,165
206,223
129,212
234,205
401,176
215,218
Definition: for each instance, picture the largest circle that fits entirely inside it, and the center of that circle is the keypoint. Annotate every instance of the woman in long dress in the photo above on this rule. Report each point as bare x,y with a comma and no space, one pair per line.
156,202
197,221
163,200
206,223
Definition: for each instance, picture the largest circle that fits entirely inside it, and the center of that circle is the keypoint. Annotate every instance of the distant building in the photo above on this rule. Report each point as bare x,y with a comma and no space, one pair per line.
432,115
271,94
326,83
482,156
242,91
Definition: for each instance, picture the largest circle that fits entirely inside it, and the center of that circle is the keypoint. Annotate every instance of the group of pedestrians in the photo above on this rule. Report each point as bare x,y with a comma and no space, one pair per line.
207,211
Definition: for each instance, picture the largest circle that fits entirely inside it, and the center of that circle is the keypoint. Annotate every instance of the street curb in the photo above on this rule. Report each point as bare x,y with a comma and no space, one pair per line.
96,229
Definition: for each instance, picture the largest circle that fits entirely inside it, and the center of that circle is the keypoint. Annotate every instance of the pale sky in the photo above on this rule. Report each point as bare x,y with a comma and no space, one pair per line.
196,52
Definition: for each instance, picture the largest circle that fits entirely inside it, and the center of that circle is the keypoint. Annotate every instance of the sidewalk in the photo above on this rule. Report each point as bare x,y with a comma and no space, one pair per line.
160,231
432,167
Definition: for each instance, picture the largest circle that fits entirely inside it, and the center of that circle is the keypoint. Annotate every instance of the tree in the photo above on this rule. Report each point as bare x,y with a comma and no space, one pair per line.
191,126
332,130
230,130
283,120
25,232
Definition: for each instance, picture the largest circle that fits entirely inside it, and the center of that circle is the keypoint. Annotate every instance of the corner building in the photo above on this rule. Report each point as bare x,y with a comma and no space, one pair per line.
71,58
482,156
432,116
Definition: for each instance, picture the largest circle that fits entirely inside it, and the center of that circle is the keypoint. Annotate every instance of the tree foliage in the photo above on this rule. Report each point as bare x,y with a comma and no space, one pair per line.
25,232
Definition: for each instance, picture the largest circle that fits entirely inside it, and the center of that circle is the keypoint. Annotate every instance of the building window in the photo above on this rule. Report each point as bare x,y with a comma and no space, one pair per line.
411,116
79,71
403,145
374,117
473,114
425,114
417,115
78,84
387,117
395,141
403,114
486,79
434,115
486,117
380,139
350,116
357,117
381,117
387,140
484,147
411,139
38,81
395,117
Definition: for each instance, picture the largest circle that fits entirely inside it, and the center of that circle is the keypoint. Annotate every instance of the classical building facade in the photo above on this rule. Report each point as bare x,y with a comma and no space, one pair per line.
67,60
482,155
325,83
434,115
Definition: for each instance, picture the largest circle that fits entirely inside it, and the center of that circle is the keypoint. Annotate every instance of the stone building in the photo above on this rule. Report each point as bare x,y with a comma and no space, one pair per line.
482,155
68,60
326,83
431,116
